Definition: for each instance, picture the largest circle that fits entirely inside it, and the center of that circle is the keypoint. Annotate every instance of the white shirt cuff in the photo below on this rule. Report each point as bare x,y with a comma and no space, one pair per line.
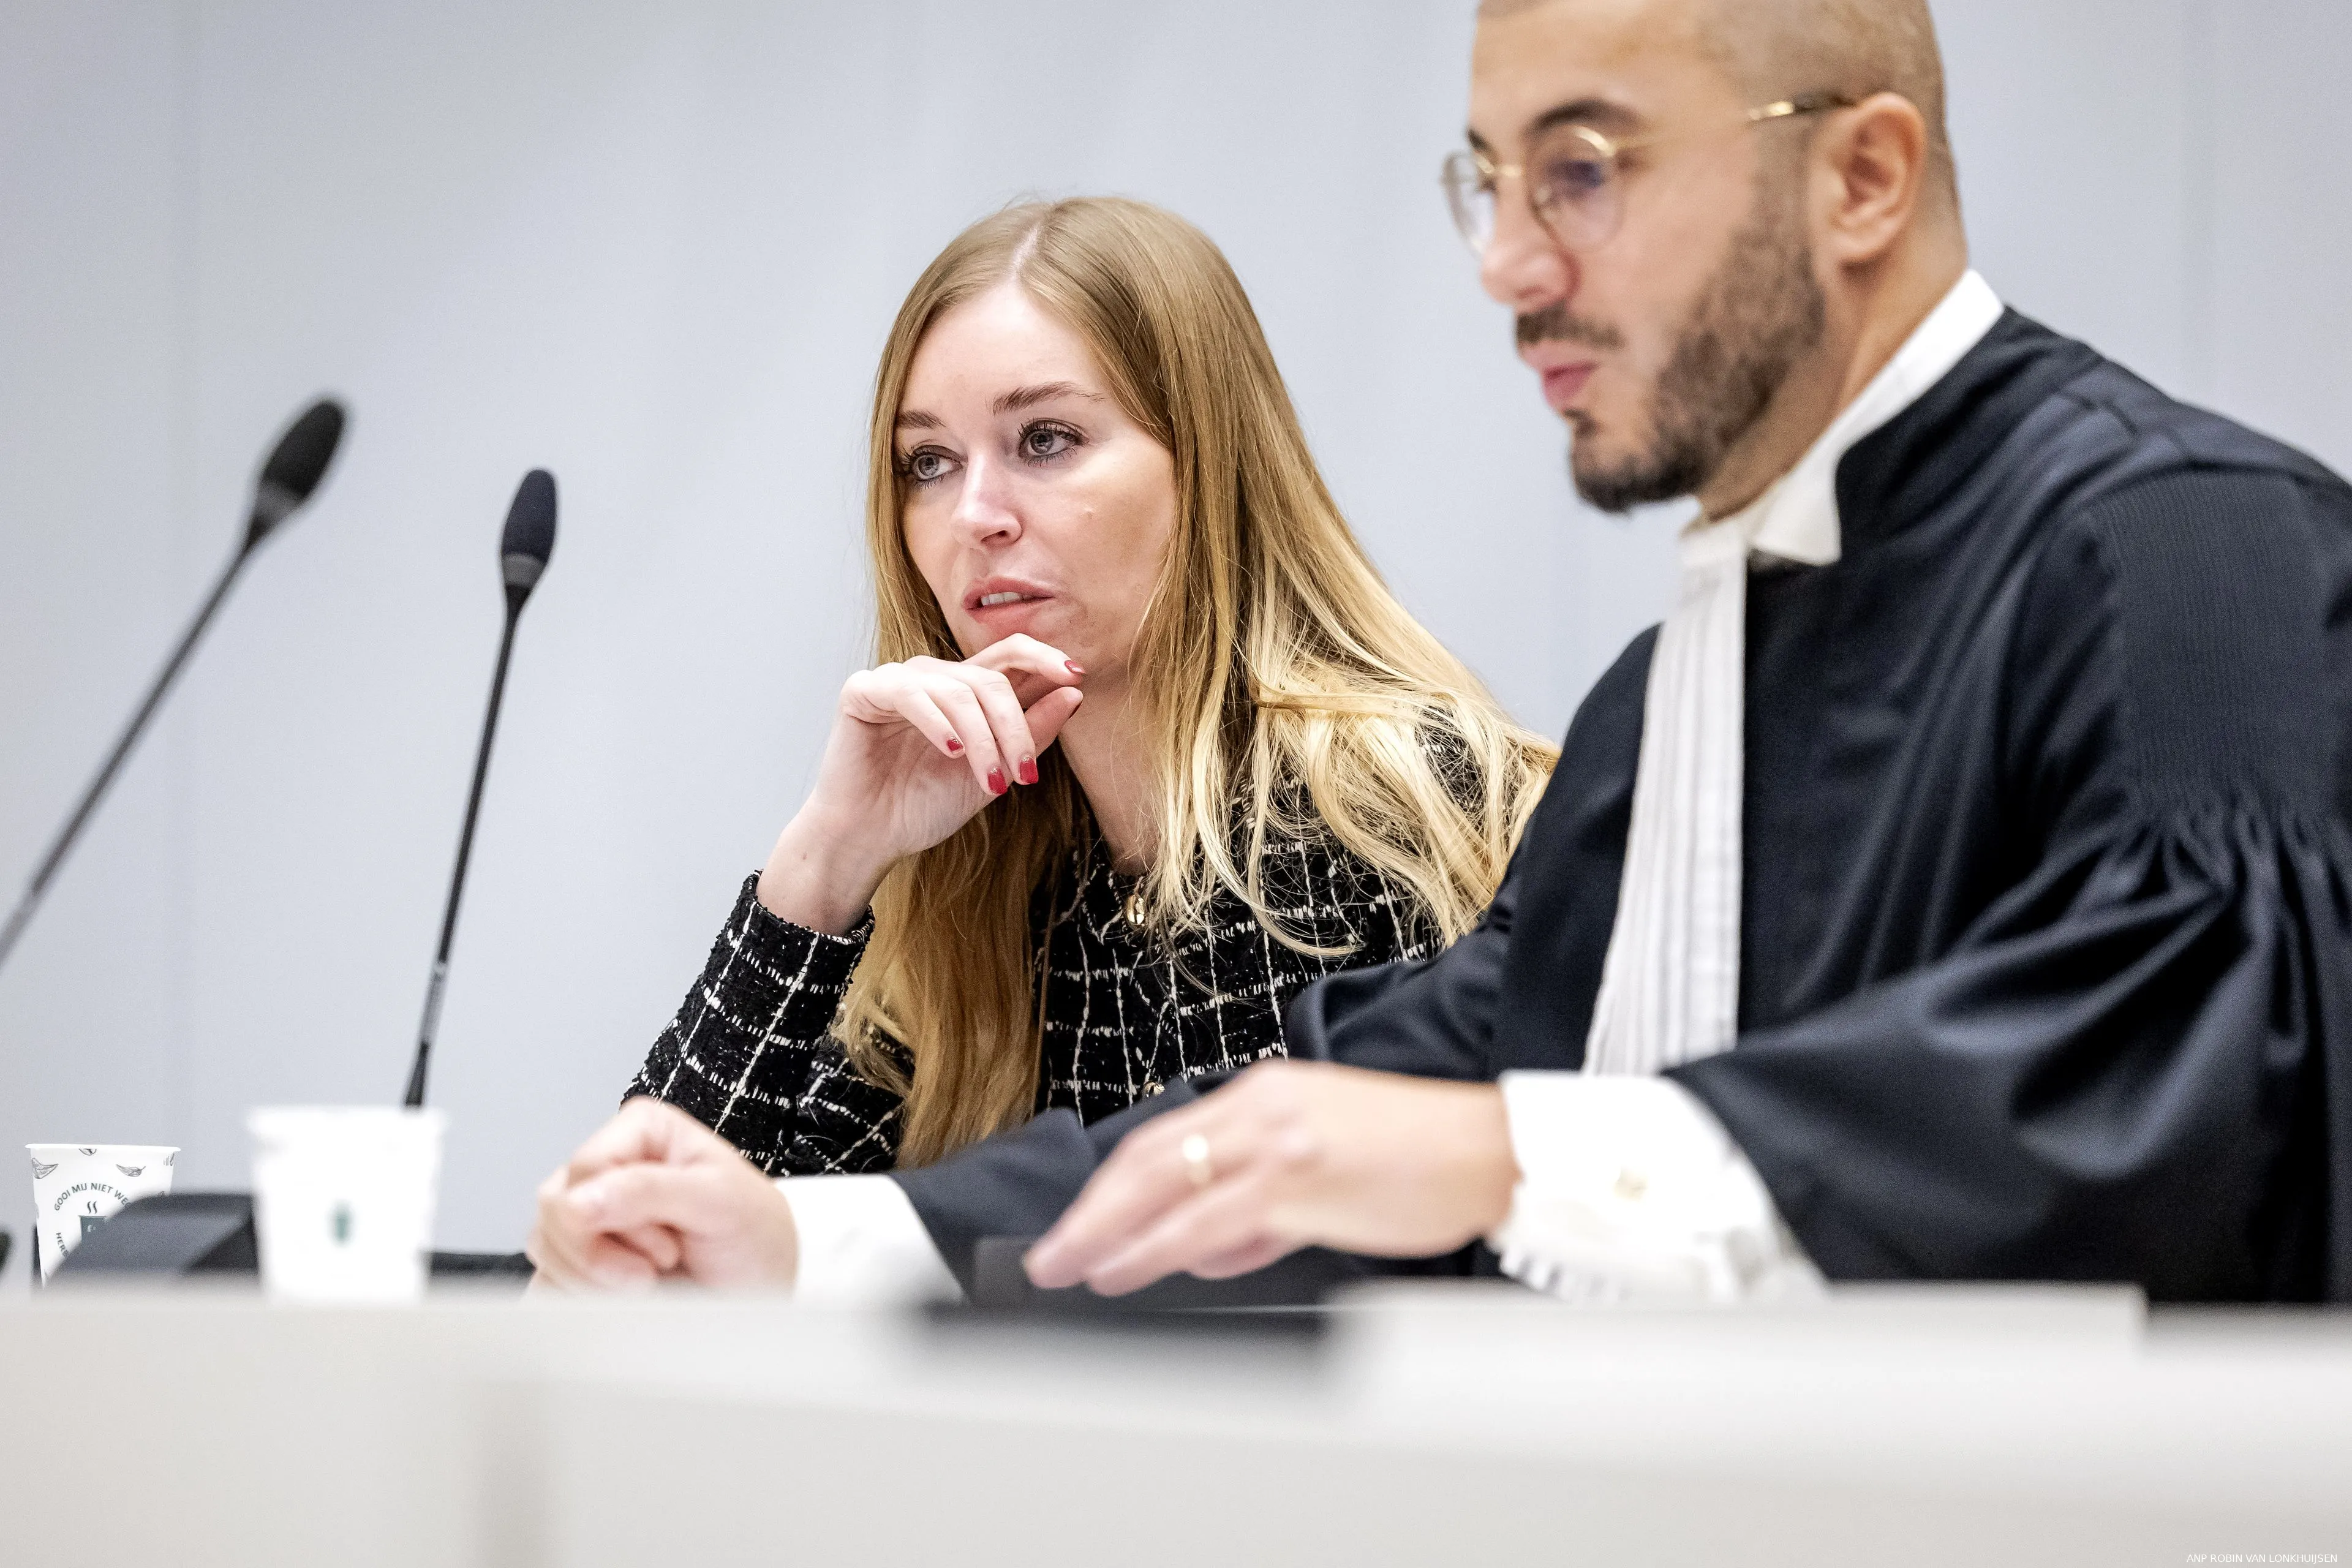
1631,1189
862,1245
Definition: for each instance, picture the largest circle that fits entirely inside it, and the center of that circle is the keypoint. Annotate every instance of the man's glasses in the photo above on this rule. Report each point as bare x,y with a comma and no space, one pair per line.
1573,179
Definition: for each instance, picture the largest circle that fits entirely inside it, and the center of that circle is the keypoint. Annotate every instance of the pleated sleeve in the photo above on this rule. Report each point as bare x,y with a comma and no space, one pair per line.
2137,1063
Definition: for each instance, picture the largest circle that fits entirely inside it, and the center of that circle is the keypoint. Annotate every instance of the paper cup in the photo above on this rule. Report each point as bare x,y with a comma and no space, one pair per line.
77,1187
343,1198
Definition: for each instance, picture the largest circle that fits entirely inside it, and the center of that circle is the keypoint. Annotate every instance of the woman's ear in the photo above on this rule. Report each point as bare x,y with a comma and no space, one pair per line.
1873,159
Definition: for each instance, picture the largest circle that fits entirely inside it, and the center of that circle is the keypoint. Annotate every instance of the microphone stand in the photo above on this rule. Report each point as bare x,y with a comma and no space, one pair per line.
23,914
432,1022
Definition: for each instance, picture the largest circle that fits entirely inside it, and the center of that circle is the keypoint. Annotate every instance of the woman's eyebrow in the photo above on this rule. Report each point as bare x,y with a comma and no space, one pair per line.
916,419
1029,396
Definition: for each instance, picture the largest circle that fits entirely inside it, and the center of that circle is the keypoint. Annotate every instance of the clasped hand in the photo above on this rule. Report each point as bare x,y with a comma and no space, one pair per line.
656,1195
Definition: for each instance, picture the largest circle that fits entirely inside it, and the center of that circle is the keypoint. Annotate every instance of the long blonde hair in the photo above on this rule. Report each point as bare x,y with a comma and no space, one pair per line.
1277,686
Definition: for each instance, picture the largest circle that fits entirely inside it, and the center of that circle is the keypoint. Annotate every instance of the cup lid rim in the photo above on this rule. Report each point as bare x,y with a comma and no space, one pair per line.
97,1148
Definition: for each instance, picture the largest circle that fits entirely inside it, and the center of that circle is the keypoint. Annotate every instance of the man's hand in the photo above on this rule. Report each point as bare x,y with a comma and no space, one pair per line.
1289,1154
653,1193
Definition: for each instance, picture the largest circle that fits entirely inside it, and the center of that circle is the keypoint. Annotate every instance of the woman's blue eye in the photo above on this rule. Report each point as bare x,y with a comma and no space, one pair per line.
924,464
1041,441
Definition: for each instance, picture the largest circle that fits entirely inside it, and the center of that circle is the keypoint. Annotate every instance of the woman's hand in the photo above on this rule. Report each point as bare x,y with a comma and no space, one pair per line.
655,1194
916,750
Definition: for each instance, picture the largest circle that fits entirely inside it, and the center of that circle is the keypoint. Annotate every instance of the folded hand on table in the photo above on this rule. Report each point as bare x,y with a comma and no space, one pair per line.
1289,1154
654,1195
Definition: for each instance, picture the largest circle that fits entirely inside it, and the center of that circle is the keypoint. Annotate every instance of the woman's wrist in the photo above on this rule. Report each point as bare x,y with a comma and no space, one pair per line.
819,878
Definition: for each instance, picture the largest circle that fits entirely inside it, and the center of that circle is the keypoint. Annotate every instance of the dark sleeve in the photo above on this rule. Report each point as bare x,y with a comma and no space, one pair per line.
1431,1016
752,1051
1017,1183
2136,1065
1540,943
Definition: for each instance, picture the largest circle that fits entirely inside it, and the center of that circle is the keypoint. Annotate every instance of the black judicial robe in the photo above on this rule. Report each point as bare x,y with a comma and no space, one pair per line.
2046,944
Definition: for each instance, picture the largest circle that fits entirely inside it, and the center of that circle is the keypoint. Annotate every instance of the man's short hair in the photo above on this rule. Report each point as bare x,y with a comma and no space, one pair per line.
1780,48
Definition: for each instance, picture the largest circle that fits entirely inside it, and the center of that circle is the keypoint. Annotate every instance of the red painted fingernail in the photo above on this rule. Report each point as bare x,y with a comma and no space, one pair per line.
1029,770
996,785
954,745
1074,667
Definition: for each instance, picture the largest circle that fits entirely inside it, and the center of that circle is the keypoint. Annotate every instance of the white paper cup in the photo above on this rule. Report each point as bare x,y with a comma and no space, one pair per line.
77,1187
343,1198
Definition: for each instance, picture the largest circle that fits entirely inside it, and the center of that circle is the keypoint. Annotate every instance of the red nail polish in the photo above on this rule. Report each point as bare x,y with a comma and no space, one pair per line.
996,785
954,745
1029,771
1073,666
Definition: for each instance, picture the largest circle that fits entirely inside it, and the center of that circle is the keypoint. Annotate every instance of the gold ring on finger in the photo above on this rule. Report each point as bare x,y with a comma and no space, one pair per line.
1196,1150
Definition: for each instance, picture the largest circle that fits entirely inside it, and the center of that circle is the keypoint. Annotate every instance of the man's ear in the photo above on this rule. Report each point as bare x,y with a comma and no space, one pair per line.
1873,159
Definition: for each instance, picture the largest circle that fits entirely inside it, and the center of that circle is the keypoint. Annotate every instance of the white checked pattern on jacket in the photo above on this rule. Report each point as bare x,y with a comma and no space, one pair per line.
752,1051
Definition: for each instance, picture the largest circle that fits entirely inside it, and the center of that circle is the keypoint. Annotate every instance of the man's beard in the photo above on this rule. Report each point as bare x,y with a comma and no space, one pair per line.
1755,317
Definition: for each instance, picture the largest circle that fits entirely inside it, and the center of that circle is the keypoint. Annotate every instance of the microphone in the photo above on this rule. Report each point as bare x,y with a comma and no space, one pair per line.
523,549
296,466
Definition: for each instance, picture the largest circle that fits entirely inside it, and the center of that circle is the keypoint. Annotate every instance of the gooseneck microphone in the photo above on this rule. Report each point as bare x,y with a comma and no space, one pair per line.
523,549
296,466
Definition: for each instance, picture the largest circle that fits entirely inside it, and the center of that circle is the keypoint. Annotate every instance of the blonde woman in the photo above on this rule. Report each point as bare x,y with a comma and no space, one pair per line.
1149,748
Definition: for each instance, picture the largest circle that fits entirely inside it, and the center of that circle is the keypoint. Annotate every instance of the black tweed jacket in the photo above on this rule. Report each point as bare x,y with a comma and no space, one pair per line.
751,1052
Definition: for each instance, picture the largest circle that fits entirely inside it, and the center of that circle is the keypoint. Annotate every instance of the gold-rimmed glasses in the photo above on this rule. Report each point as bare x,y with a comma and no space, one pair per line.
1572,177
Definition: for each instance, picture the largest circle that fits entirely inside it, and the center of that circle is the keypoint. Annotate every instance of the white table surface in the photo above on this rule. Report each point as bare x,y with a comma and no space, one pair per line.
1429,1425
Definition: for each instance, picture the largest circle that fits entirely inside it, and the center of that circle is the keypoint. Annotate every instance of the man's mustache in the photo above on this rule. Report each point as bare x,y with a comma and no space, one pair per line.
1556,323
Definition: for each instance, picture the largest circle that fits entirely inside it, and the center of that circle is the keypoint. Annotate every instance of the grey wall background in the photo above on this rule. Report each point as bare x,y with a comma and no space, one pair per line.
655,248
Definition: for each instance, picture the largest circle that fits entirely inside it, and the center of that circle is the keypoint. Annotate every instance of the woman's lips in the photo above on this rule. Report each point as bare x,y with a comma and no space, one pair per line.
1005,604
1003,591
1563,383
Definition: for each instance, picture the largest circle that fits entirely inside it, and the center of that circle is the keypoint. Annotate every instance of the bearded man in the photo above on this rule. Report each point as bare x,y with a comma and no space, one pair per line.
1957,886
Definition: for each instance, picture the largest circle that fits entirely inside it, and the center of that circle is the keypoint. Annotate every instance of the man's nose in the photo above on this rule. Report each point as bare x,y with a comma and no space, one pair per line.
1525,267
984,511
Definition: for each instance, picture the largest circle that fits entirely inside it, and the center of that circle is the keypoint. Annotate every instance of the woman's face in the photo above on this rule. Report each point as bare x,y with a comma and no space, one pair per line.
1031,502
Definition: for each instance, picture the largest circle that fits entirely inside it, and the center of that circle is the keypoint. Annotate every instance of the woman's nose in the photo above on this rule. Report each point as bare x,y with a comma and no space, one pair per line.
984,511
